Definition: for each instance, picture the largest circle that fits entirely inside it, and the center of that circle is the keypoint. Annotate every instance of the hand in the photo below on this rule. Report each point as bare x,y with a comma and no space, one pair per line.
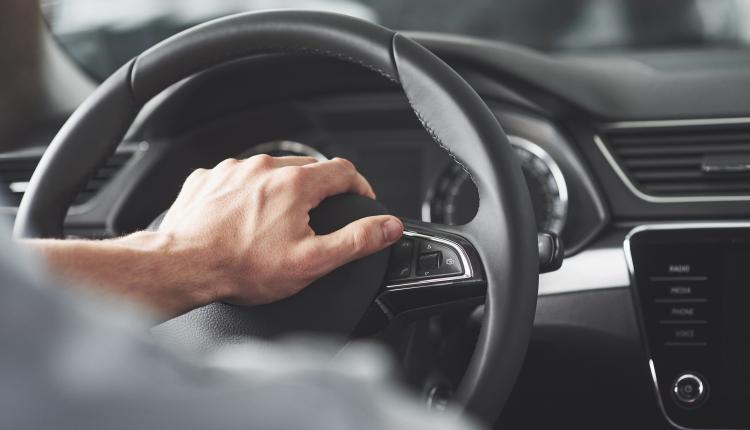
246,223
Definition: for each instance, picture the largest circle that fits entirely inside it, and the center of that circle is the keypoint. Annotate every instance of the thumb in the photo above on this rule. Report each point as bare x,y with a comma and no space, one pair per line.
358,239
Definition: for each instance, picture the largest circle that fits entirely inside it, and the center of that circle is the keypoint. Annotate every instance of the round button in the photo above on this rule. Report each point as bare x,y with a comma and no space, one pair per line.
689,389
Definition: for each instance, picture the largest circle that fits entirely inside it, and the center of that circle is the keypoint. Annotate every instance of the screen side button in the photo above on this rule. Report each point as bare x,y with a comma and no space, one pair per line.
680,290
684,334
681,311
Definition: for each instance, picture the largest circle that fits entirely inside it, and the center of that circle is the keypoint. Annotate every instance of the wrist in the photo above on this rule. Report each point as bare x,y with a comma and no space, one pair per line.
188,272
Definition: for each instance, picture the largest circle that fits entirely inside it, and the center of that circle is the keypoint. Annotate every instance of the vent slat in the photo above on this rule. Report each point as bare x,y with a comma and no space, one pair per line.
693,187
683,139
667,174
663,162
9,177
20,169
669,161
662,150
646,176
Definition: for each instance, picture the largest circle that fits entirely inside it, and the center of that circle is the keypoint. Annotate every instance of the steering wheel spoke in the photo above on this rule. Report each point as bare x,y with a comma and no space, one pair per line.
432,269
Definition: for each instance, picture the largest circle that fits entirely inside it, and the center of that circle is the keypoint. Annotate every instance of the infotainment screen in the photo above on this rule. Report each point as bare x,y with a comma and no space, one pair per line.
691,285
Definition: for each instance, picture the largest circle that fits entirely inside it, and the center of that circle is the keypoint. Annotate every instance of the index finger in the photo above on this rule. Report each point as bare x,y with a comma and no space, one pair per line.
336,176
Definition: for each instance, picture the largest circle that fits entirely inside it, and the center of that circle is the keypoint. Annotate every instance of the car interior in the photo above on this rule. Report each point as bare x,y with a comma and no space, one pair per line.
616,133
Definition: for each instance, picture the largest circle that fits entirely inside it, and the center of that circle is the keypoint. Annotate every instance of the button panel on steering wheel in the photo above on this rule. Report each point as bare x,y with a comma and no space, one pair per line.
420,259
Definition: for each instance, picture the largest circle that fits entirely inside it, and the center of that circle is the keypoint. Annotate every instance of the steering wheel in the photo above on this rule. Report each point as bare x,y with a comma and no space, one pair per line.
493,258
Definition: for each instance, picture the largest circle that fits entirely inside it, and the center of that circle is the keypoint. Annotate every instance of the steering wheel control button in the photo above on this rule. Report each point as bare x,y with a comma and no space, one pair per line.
437,260
399,266
428,246
450,263
418,260
429,263
440,261
403,248
689,390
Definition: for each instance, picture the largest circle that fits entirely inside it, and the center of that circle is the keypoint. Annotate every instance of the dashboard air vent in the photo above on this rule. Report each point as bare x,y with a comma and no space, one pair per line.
683,161
16,169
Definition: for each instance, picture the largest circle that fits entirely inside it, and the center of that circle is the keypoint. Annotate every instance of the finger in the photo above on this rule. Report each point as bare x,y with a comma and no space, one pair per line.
287,160
294,160
264,162
229,163
336,176
242,169
356,240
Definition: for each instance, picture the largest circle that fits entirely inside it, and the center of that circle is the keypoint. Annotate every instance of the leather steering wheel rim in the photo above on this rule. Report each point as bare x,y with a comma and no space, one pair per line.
503,231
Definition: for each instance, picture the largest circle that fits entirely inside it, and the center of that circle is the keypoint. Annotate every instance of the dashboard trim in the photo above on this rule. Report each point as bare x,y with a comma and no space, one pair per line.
576,274
676,123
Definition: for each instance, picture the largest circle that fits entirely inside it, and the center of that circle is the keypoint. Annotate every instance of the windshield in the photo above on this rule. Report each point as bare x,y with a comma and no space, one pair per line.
103,34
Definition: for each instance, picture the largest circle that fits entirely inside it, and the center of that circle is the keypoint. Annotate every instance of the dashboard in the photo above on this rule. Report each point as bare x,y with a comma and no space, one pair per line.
607,143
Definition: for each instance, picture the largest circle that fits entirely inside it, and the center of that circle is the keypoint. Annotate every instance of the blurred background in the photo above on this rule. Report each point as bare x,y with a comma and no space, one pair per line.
103,34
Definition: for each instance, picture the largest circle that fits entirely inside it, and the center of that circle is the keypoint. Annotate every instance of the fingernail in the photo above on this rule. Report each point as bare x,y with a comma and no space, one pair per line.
392,230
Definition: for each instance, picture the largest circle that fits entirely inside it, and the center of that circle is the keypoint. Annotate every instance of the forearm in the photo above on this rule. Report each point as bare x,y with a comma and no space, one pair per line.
238,233
148,268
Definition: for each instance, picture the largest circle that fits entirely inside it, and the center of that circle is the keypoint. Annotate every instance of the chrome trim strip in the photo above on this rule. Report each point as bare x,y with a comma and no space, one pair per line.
652,370
676,123
694,225
657,199
637,305
468,269
595,269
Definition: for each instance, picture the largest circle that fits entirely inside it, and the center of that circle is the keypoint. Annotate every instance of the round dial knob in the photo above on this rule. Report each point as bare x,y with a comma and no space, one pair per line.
689,389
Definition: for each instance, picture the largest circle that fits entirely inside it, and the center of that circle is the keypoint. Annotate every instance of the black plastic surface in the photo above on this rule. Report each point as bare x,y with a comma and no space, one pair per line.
551,252
691,288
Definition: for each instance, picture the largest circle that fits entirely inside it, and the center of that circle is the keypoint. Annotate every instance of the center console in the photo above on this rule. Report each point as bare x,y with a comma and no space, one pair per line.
691,285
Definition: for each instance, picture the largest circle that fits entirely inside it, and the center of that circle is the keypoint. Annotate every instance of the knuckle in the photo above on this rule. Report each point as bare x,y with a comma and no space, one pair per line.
229,162
343,162
260,161
196,175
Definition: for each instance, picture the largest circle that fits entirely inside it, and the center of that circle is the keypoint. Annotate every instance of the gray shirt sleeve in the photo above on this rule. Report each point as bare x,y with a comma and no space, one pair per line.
71,361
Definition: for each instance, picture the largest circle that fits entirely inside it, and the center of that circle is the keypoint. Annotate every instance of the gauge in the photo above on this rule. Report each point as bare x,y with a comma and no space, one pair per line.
280,148
454,200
